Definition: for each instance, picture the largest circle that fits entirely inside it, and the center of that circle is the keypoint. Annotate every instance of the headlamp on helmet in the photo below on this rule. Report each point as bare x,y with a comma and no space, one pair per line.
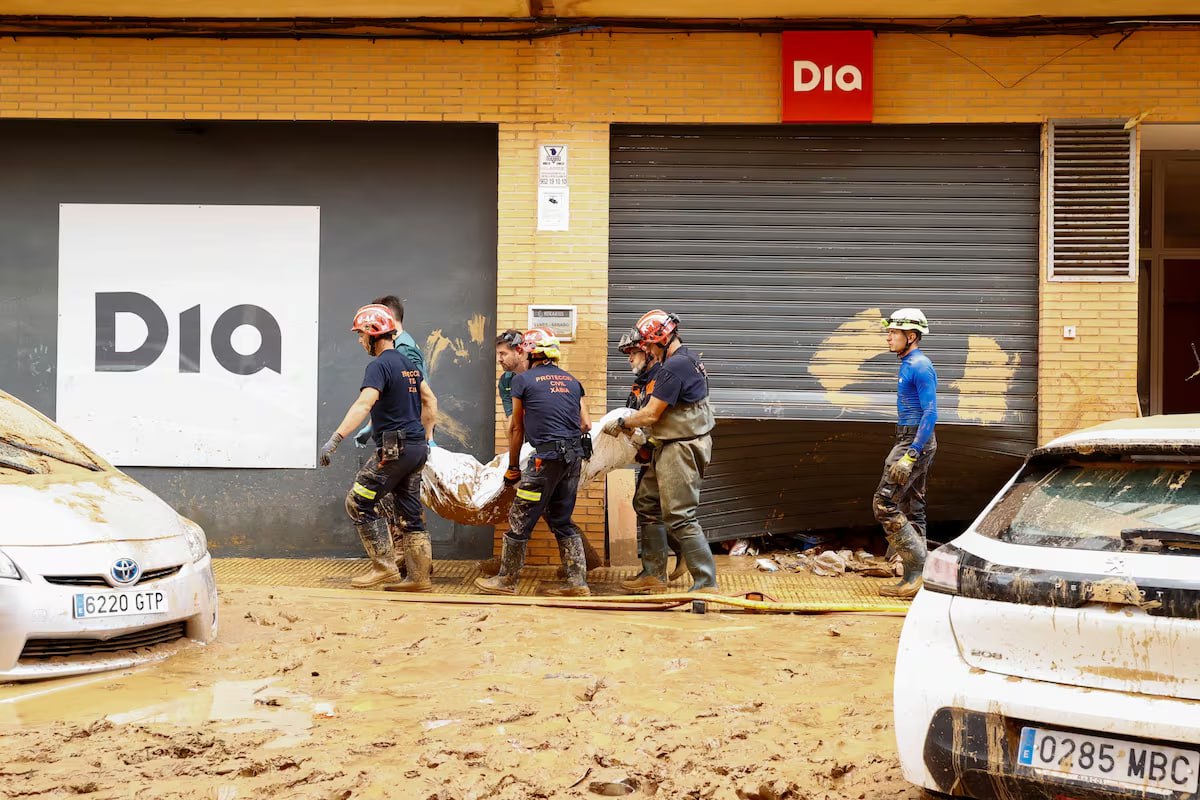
907,319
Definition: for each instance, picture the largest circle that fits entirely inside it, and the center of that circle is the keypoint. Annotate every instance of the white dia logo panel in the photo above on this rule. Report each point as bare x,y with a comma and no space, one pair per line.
187,334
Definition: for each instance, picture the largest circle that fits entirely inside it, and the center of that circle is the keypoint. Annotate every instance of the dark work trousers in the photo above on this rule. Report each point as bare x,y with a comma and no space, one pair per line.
400,478
547,488
894,504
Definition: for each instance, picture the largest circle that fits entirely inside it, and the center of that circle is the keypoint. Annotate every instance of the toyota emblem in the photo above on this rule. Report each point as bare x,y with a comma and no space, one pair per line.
125,571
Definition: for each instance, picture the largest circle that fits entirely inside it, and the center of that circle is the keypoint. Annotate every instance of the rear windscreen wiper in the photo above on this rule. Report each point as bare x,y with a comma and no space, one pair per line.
1160,538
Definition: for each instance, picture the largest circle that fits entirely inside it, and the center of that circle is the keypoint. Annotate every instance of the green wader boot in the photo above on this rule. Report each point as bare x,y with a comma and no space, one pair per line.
700,562
653,577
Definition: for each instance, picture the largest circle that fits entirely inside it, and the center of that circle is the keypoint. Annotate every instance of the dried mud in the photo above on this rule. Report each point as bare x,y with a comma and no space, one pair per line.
312,697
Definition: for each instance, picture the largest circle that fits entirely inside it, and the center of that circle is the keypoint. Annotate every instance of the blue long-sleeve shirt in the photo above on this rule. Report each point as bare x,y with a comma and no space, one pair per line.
916,396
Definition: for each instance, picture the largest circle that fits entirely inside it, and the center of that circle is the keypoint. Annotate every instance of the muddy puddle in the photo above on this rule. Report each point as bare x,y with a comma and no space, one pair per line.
307,696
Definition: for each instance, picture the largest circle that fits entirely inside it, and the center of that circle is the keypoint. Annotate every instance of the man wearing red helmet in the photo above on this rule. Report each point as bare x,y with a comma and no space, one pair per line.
549,411
678,416
395,396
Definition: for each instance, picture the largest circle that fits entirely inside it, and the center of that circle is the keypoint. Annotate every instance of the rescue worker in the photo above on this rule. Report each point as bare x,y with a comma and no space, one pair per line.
396,397
510,355
644,369
679,418
899,502
407,347
549,411
512,358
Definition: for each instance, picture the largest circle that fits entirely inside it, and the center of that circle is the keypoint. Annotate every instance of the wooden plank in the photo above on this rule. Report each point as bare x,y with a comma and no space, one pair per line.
622,522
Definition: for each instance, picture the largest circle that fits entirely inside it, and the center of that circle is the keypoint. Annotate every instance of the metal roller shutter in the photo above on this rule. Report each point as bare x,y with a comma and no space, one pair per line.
781,248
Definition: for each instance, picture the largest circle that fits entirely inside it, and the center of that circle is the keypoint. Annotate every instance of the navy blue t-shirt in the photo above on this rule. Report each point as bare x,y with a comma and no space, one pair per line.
398,408
681,380
550,397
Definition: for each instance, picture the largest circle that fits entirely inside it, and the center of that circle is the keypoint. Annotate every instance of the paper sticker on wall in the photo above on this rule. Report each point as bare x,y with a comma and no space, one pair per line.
187,334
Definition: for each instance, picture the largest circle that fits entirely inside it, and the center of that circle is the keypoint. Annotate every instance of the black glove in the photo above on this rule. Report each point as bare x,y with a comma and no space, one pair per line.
585,442
329,447
512,476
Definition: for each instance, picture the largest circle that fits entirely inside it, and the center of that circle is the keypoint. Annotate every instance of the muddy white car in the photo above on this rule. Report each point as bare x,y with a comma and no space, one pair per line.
96,572
1055,649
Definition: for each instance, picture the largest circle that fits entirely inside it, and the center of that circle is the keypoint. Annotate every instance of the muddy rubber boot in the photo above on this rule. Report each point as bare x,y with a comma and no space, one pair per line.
590,554
491,567
911,548
399,547
698,555
418,552
512,558
377,542
653,577
571,550
680,565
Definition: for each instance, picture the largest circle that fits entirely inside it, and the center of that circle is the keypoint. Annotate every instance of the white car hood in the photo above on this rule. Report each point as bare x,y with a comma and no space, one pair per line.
110,507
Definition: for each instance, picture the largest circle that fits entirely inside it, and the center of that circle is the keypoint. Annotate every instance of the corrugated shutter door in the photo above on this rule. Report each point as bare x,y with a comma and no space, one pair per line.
782,247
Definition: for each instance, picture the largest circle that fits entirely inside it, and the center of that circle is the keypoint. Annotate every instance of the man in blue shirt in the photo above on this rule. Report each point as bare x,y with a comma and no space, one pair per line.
398,400
899,502
512,358
679,420
549,411
407,347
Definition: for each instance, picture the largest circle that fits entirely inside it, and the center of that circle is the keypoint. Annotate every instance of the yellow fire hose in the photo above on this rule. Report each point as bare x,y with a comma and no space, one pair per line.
636,602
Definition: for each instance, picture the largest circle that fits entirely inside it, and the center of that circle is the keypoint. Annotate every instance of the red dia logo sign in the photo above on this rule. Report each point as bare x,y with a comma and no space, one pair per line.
828,76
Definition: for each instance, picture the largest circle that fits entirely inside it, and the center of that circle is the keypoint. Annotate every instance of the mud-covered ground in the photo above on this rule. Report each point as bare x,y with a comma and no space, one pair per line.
311,694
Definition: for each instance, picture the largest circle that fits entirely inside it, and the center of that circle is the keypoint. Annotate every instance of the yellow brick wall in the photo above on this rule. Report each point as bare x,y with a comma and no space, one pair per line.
571,88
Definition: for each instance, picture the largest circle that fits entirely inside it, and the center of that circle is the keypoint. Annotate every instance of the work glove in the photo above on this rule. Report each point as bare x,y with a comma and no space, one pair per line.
512,475
614,426
901,471
328,448
363,436
432,443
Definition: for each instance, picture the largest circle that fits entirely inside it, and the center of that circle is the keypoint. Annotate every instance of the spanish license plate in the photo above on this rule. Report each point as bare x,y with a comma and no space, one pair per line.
116,604
1096,758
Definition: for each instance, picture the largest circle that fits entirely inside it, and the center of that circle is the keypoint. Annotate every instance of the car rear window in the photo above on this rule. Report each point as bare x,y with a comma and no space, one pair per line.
1087,505
30,444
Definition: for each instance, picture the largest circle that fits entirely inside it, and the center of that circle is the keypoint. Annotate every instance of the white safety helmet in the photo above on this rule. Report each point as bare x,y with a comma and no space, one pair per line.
908,319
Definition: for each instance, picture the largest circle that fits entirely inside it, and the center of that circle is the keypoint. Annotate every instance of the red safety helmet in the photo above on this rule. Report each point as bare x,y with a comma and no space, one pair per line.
374,320
657,326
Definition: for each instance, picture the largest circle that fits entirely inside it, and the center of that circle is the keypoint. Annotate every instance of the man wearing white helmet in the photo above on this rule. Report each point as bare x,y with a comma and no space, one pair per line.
899,502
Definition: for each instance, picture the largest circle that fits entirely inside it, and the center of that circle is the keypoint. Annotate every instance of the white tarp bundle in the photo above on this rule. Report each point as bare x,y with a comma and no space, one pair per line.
455,486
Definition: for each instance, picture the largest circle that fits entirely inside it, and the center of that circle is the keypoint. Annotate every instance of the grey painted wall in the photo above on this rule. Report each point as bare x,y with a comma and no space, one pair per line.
408,209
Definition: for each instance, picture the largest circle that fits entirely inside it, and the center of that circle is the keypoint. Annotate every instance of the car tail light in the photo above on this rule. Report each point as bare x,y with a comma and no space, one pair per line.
941,569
